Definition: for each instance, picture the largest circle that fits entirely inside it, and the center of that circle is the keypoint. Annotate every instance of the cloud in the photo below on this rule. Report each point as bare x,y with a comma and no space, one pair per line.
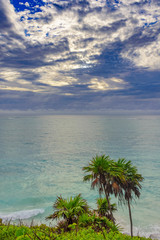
70,51
106,84
9,21
147,52
26,4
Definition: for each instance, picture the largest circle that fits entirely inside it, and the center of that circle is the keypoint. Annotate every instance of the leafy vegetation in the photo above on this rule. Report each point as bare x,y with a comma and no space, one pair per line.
11,232
97,223
69,209
102,208
99,173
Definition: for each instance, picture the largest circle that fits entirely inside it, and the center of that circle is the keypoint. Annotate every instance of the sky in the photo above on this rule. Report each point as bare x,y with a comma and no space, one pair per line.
80,56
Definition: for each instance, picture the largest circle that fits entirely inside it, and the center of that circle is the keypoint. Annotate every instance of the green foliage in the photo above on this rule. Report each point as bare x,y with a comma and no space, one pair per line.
21,231
97,223
69,209
99,172
43,232
128,179
72,226
103,209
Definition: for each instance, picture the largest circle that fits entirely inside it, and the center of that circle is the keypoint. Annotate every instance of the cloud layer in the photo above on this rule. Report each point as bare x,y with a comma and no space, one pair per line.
79,55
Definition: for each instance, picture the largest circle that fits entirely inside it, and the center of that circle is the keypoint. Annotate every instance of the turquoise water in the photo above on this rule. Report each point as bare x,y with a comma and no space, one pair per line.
42,157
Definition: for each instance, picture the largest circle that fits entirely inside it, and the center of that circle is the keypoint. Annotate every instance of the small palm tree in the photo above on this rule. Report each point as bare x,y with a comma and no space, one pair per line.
102,208
128,180
99,173
69,209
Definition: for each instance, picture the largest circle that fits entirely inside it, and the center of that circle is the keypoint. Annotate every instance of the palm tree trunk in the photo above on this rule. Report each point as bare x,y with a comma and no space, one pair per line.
109,205
130,216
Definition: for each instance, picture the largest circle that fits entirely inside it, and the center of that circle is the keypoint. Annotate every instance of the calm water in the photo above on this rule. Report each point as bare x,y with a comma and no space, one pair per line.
42,157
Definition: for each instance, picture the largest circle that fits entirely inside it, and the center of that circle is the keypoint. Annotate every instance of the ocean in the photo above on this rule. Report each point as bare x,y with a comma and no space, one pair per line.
41,157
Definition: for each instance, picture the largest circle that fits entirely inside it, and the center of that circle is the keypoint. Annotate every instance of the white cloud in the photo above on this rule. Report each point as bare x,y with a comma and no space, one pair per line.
49,75
145,56
20,89
67,25
86,37
15,82
104,84
97,3
12,17
26,4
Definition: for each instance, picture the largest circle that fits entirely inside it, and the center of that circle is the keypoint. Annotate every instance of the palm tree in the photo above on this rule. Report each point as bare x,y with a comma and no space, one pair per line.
69,209
99,171
128,180
102,208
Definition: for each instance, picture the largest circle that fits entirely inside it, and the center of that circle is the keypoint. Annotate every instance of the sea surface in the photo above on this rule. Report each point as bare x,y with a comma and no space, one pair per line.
41,157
